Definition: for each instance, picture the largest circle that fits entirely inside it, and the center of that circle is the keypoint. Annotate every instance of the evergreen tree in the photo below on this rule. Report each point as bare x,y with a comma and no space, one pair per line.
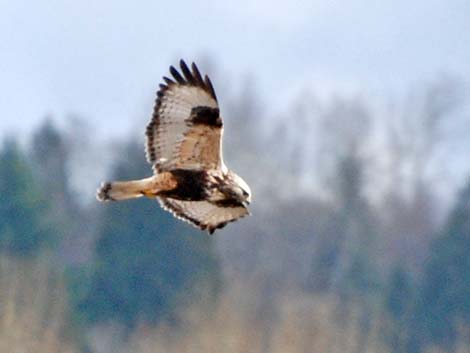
24,227
444,301
50,153
399,297
354,225
353,277
146,261
50,156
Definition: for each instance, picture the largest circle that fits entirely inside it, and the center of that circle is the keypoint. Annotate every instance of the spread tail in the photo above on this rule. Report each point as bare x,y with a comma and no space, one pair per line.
124,190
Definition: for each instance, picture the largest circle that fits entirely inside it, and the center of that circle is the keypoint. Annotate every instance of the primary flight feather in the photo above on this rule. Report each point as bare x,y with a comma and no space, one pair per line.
184,145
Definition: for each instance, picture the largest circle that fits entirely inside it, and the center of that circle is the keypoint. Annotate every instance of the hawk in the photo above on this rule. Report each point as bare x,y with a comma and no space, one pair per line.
184,145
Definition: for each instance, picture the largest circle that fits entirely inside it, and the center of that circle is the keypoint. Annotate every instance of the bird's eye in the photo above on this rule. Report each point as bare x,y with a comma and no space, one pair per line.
245,193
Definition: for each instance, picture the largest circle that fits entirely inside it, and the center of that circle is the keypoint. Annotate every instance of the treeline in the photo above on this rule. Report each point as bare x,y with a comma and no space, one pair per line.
142,265
351,213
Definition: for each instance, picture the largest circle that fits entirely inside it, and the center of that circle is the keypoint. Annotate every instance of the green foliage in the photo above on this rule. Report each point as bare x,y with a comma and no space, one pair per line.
354,230
444,301
146,262
399,294
399,299
50,156
24,228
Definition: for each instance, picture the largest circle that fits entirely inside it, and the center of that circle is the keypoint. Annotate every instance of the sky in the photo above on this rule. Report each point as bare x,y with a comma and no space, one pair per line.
103,60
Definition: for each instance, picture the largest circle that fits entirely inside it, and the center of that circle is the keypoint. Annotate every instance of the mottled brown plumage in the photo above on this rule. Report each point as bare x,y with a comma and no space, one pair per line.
184,146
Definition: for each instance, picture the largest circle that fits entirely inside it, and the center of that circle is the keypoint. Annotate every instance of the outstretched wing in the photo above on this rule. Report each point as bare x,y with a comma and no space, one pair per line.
203,214
186,127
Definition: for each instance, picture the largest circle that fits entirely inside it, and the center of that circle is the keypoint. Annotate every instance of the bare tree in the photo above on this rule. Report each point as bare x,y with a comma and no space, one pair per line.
419,133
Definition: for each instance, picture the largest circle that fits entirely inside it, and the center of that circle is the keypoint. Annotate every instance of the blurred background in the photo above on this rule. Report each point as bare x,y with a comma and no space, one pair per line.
351,123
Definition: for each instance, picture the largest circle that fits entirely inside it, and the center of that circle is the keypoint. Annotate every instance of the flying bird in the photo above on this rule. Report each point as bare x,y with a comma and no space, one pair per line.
184,146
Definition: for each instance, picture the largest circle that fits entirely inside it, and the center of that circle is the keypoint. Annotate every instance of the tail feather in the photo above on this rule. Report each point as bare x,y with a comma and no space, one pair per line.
124,190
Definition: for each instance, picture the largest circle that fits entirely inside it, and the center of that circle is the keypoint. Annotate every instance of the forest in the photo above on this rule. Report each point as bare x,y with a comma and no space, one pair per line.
358,239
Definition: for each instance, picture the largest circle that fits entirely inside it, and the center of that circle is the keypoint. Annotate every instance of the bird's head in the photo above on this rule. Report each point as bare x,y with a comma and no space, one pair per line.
241,189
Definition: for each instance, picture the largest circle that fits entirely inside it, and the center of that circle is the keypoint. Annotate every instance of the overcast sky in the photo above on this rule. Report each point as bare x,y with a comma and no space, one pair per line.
103,60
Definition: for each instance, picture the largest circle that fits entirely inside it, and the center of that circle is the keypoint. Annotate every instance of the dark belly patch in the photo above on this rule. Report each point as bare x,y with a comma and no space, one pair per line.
191,185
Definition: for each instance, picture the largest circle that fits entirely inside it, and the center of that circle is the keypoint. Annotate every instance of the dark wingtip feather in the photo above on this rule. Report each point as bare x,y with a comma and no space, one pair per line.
168,81
197,75
187,73
208,83
177,75
212,229
191,77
